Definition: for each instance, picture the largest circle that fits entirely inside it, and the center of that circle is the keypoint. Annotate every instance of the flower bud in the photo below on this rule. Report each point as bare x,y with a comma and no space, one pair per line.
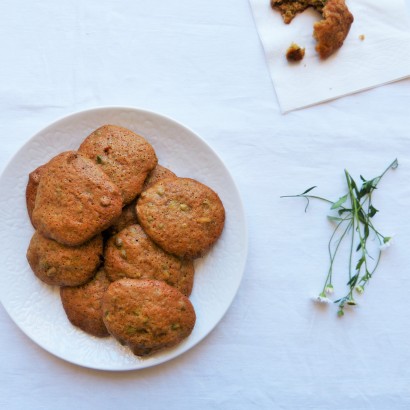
322,299
387,241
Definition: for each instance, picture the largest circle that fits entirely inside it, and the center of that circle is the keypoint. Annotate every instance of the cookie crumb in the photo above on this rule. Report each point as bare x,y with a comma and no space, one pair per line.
362,37
295,53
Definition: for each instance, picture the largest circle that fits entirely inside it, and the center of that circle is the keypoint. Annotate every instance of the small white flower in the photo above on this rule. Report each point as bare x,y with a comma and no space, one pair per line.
359,289
321,299
329,289
387,241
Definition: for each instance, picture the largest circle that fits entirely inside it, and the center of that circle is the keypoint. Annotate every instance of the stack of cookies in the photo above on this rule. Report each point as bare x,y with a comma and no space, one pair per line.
118,233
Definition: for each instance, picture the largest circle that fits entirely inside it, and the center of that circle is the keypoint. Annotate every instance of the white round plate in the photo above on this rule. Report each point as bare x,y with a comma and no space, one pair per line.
36,307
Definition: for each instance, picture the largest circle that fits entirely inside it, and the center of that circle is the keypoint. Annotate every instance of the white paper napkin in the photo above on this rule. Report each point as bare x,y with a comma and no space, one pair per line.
383,56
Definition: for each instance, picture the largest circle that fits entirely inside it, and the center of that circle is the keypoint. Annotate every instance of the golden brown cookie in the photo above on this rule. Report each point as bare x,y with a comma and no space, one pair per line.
61,265
331,32
132,254
31,190
158,173
83,304
75,200
124,156
128,215
183,216
147,315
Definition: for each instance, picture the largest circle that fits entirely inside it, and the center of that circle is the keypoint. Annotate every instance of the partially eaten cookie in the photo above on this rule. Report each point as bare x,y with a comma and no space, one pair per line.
331,31
290,8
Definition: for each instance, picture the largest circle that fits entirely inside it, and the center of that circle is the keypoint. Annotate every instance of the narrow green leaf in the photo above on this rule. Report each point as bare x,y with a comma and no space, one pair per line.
353,280
308,190
342,211
362,217
339,202
360,263
372,211
353,185
334,218
368,187
366,231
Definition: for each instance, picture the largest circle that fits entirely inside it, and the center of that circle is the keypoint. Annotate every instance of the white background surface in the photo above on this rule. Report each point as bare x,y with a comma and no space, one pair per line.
202,64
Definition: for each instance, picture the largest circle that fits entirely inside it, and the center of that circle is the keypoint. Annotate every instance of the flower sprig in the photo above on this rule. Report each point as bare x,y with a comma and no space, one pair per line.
353,217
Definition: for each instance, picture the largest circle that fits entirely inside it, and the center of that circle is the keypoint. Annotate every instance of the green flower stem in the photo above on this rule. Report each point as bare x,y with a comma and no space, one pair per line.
332,257
358,220
355,214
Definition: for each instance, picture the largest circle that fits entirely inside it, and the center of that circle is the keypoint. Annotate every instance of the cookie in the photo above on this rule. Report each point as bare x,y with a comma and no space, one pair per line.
31,190
183,216
83,304
75,200
290,8
331,32
147,315
128,215
132,254
158,173
124,156
61,265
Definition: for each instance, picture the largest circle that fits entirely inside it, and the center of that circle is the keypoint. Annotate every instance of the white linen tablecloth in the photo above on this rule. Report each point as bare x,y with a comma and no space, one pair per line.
202,63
